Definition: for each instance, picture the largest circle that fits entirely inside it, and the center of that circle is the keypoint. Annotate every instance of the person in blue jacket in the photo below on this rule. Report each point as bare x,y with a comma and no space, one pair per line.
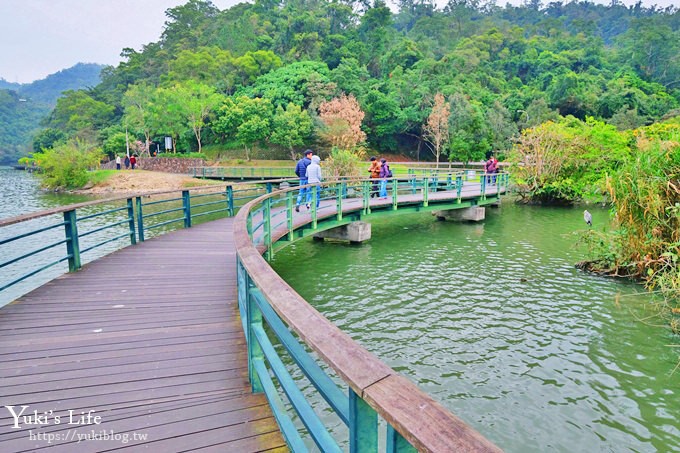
301,172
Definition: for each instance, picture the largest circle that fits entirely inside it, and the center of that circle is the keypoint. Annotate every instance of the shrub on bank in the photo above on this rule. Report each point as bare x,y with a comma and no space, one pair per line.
66,165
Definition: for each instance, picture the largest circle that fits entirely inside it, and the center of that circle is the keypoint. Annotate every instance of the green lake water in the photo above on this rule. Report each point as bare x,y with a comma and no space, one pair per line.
494,321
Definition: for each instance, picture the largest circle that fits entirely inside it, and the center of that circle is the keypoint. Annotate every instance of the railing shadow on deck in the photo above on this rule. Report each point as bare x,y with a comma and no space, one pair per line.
373,390
368,389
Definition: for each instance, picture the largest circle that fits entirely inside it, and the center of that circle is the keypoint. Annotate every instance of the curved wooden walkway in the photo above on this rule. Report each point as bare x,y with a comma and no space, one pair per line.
150,340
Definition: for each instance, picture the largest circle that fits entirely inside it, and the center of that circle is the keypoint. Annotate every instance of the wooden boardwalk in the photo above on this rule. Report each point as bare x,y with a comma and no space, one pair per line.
149,341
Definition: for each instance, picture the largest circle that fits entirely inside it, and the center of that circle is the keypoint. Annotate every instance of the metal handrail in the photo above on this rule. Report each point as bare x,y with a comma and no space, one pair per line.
106,225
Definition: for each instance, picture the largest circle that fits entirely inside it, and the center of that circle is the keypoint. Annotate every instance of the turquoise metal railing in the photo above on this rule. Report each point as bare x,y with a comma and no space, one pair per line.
242,172
276,319
36,244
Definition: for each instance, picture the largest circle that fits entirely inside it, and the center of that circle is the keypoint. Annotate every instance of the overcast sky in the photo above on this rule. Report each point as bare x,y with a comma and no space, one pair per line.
41,37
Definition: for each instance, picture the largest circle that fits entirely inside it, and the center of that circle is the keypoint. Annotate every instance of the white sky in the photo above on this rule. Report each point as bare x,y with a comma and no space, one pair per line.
41,37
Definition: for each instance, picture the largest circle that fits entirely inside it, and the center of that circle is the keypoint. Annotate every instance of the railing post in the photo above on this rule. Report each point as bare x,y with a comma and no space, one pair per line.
396,442
482,184
449,181
363,425
395,193
269,187
315,196
254,348
230,201
72,243
366,186
426,189
267,219
341,189
249,225
459,187
289,214
414,184
186,204
140,220
131,221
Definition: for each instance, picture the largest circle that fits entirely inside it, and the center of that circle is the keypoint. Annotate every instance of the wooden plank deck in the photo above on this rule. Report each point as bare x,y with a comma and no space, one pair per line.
149,339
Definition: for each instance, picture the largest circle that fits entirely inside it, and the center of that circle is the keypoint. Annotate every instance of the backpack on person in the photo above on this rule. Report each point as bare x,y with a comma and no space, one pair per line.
389,172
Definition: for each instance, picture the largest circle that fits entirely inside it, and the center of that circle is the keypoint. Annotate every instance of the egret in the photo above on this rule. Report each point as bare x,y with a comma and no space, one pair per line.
588,217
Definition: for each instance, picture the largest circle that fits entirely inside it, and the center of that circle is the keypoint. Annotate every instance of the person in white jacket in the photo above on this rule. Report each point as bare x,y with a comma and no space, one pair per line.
314,177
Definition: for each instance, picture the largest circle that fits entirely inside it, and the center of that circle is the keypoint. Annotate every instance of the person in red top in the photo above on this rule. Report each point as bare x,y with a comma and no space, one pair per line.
133,161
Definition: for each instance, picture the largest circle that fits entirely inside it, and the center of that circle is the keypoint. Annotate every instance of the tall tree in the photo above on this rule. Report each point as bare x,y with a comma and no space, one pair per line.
245,119
196,102
291,127
137,102
436,129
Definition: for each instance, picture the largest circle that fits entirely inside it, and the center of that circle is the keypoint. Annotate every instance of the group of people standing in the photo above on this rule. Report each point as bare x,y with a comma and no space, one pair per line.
129,161
491,168
379,171
308,169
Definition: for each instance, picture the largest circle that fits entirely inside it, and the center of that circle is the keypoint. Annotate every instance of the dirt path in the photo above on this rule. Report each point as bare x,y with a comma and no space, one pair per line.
128,181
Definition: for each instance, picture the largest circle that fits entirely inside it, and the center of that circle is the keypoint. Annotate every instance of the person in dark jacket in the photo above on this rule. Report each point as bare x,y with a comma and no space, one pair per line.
301,172
384,174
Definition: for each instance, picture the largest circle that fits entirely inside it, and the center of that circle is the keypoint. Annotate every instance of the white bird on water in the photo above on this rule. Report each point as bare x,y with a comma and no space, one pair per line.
588,217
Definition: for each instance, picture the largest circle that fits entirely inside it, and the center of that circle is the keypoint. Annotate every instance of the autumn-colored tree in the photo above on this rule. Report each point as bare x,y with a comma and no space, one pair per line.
436,129
342,117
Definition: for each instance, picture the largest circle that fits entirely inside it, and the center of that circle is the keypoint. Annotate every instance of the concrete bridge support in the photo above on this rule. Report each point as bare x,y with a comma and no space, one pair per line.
471,214
355,232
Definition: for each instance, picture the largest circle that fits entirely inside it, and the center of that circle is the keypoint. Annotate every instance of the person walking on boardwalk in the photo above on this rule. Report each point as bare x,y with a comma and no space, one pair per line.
385,173
301,172
314,177
374,170
117,162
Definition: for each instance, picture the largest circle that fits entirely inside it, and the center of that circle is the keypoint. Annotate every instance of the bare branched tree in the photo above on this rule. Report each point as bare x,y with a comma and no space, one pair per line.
436,129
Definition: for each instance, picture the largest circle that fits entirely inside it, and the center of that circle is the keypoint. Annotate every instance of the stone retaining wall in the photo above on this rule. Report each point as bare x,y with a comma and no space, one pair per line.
164,164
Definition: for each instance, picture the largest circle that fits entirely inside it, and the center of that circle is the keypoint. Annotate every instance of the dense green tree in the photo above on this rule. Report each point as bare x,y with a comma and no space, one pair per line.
291,128
78,114
291,83
247,120
195,102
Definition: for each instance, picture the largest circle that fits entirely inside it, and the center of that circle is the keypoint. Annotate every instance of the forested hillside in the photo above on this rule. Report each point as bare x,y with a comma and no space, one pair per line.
262,74
24,106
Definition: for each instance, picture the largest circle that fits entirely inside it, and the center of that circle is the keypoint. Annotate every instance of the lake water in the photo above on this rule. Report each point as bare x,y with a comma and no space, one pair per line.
493,320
